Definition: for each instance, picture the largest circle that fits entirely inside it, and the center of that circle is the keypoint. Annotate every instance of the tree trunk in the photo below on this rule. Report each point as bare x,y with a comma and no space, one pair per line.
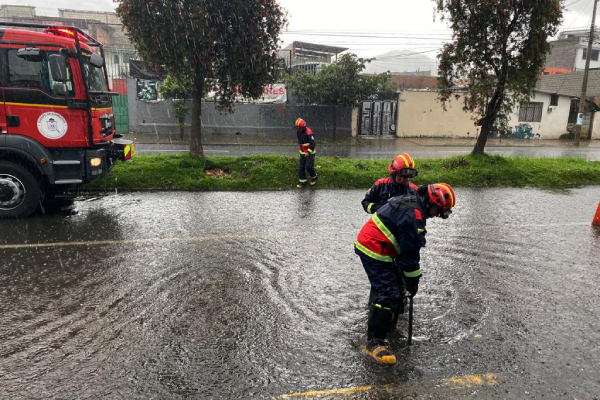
181,127
196,132
486,127
488,121
334,122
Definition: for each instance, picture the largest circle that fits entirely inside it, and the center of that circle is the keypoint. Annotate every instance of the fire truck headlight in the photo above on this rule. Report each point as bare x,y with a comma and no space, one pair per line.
95,162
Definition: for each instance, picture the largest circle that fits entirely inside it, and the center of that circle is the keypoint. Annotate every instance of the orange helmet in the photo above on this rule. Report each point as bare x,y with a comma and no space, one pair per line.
442,195
300,123
403,162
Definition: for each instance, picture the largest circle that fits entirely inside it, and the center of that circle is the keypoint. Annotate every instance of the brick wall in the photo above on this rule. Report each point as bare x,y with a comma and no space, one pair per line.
562,54
106,17
8,11
406,82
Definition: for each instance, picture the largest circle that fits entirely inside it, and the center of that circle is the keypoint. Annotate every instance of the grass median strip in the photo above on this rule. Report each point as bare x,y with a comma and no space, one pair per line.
273,172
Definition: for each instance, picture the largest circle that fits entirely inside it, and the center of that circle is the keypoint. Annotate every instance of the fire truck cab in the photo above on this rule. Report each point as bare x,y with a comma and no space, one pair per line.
57,129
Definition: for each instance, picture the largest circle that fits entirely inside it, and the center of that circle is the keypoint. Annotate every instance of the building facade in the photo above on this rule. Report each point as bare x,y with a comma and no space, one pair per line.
105,27
551,114
569,53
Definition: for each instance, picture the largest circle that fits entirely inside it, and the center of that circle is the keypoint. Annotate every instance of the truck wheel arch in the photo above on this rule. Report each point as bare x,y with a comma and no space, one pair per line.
23,149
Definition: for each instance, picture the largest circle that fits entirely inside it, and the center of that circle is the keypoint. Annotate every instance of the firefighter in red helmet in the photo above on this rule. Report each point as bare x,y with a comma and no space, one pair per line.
401,169
389,244
308,148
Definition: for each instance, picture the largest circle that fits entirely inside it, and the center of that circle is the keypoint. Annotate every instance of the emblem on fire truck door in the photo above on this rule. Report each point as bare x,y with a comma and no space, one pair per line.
52,125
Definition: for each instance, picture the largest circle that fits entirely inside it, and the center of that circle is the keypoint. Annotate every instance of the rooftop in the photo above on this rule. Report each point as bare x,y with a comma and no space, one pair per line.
570,84
312,50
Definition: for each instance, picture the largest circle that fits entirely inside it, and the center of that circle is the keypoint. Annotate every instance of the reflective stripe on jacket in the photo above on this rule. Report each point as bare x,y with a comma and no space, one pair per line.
396,231
306,141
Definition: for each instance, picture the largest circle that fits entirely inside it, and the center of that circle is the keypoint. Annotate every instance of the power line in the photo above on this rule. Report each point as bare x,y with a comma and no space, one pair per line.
406,55
365,36
582,10
363,31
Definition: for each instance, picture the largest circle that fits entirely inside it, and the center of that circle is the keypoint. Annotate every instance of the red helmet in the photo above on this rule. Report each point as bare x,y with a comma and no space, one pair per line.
403,161
442,195
300,123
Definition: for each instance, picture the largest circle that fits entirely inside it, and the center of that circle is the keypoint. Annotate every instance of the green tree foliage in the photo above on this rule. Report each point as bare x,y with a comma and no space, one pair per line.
501,47
228,46
339,84
179,91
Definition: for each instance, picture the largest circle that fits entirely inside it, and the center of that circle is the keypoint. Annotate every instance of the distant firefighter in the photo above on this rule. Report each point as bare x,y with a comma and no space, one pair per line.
308,148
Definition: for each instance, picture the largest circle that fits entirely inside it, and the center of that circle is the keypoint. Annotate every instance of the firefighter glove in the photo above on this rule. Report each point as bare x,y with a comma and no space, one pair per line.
412,286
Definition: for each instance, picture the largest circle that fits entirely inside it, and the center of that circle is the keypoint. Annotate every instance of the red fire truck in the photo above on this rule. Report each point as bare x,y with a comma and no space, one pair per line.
57,129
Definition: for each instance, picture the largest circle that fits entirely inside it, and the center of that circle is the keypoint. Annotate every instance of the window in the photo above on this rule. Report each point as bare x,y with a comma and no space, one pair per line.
554,100
127,57
531,112
573,111
595,54
34,74
95,76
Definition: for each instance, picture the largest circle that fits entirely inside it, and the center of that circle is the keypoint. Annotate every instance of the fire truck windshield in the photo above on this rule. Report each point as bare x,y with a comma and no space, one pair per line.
95,76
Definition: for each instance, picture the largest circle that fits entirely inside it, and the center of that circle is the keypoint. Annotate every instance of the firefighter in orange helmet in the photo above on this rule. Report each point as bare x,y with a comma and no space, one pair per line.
308,149
401,169
389,244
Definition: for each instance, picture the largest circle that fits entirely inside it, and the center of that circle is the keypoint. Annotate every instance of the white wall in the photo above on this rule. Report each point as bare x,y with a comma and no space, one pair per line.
420,114
554,123
580,62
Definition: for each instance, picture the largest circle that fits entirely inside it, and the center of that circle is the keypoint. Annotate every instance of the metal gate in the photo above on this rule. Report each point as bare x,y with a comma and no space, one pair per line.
378,115
117,65
120,105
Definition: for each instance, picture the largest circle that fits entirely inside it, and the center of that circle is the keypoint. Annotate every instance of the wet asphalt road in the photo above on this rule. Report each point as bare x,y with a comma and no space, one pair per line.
259,295
377,149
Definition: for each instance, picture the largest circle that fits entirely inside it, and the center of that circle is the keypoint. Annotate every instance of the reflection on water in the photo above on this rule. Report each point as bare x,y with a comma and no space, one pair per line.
251,295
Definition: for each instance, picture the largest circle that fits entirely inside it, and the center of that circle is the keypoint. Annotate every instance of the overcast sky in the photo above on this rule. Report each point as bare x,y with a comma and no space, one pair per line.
368,28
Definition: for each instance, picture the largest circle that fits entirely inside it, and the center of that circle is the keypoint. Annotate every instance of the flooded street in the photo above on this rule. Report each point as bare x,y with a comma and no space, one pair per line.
234,295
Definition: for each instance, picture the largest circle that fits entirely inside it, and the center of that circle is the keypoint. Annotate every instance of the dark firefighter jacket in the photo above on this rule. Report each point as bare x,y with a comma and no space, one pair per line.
306,141
382,191
396,231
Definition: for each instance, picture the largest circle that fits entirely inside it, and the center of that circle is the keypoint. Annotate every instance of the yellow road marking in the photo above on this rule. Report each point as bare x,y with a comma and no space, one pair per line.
344,392
457,382
472,380
131,241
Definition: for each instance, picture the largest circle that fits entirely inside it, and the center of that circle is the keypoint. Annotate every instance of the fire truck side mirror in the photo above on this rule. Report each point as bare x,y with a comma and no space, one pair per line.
60,89
58,66
32,54
97,61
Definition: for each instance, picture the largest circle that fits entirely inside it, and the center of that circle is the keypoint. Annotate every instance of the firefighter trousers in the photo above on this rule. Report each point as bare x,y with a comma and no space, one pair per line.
387,285
306,164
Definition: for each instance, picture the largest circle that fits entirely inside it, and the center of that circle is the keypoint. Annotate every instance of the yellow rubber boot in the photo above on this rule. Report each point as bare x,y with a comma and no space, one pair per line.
380,353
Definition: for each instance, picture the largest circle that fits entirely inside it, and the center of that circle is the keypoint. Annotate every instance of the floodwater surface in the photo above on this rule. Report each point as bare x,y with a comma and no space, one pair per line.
237,295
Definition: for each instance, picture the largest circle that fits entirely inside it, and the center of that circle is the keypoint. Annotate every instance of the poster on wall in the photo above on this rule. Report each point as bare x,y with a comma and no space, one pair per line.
147,90
272,94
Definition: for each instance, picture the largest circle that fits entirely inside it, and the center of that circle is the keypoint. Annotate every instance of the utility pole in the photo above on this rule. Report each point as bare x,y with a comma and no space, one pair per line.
585,76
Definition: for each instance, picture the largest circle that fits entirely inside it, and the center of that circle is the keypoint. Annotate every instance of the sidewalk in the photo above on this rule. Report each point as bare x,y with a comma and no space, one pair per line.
262,140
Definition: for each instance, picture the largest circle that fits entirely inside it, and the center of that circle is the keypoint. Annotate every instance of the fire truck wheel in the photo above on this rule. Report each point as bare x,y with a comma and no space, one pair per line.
20,191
